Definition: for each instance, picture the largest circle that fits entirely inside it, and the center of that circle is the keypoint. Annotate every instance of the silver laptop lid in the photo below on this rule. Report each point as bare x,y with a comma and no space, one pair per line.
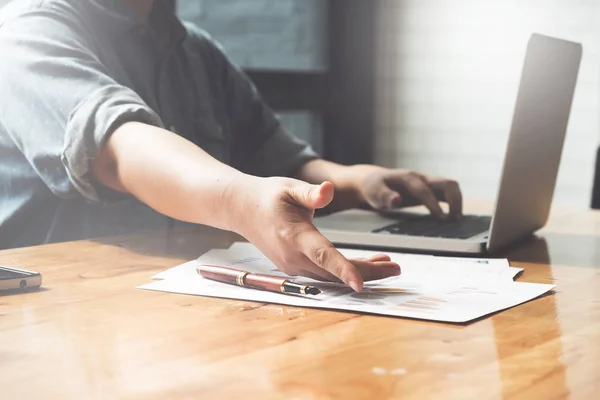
536,139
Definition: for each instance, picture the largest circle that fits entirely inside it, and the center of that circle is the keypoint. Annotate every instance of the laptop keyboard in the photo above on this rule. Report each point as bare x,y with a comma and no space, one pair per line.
468,226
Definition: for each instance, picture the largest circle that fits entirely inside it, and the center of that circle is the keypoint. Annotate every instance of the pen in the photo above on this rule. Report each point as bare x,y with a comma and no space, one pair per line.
255,281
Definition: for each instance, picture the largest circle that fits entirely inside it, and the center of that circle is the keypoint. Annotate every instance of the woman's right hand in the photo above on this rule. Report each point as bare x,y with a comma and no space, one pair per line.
275,214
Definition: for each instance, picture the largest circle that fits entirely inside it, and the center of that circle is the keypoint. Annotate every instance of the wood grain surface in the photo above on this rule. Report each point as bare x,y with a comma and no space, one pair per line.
88,334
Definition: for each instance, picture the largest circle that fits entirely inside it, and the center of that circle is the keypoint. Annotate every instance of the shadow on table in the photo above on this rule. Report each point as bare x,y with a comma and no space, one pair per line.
557,249
185,242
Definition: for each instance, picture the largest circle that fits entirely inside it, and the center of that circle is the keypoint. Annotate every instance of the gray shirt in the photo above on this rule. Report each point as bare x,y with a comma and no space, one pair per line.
72,71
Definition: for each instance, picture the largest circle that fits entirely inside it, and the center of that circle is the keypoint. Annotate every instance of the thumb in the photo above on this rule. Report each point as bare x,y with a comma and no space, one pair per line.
313,196
385,198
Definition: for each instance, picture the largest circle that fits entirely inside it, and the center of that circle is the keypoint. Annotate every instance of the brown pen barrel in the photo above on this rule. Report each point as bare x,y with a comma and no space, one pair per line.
223,274
265,282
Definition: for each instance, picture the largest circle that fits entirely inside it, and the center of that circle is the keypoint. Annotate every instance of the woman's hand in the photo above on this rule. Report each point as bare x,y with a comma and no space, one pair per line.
275,214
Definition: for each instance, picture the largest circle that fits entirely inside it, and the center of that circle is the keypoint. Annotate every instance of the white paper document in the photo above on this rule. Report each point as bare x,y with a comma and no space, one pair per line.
433,288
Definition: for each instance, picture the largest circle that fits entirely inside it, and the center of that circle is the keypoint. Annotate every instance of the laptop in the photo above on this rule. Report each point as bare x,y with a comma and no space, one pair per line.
527,181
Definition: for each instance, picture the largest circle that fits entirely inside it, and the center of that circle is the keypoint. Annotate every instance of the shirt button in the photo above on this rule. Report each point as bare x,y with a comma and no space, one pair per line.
173,129
219,128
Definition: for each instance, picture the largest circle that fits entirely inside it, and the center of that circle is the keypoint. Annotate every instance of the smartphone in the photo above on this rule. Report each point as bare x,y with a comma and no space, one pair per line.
18,279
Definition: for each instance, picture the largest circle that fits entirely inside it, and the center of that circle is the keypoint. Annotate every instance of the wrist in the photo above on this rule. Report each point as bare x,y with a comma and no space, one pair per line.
349,181
238,201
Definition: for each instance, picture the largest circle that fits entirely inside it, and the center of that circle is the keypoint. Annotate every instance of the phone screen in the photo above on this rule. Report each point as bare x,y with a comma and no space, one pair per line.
8,274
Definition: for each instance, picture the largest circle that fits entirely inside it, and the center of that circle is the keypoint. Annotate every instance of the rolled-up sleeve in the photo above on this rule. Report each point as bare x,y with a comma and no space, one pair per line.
89,124
262,146
60,103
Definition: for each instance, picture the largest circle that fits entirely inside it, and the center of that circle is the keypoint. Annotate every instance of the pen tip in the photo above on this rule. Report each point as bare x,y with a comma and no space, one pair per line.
312,290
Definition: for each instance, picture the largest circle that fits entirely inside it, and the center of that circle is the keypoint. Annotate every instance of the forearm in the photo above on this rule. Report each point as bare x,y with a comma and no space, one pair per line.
169,174
318,171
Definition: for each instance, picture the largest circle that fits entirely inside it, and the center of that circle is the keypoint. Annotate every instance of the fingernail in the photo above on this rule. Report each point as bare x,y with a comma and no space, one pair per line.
354,286
395,201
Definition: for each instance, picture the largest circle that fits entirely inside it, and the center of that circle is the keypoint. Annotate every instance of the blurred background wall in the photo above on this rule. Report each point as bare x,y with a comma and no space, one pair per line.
448,85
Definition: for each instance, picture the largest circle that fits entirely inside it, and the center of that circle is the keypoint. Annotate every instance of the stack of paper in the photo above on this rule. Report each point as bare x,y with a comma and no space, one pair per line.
445,289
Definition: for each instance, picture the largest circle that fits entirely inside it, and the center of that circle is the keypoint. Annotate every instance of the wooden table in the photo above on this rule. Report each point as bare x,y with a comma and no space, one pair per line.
90,335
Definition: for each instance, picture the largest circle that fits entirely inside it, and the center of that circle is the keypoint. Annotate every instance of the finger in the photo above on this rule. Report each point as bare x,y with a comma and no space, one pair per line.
373,258
312,196
454,200
310,270
324,255
376,270
419,188
379,257
386,198
369,270
452,196
319,275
